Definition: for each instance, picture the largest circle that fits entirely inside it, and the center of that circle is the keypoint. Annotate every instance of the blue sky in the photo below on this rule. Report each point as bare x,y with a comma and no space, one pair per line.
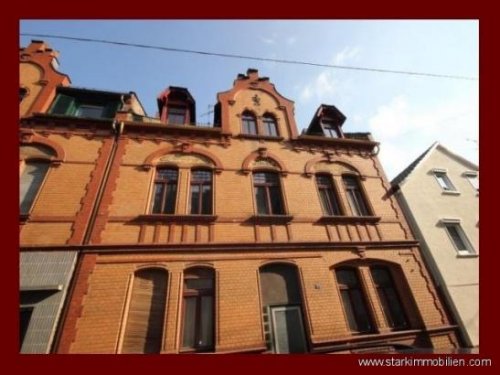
406,113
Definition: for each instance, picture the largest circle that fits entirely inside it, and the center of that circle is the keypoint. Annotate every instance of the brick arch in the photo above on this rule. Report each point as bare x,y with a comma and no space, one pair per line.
60,155
356,262
262,152
308,168
270,262
149,266
151,159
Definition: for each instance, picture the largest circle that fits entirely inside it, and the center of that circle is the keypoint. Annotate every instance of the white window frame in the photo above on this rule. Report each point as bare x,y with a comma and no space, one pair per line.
470,251
274,310
473,178
444,181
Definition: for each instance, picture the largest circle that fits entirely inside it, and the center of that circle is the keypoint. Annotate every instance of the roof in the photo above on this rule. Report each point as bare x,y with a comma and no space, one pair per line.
401,177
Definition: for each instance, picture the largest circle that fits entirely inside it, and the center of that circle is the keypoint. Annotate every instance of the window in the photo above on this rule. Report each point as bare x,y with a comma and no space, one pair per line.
355,196
165,191
201,192
282,308
92,111
22,94
388,296
444,181
249,124
328,196
176,116
146,312
330,130
198,310
24,322
459,239
85,106
268,193
473,179
31,180
270,126
353,300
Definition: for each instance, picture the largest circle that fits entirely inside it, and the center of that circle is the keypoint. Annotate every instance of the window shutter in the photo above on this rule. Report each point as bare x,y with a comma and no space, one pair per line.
144,330
64,105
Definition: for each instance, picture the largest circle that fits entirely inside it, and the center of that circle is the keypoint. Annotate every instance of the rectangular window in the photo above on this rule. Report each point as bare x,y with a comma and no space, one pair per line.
444,181
249,125
353,300
268,196
91,111
289,336
165,191
355,196
473,179
201,192
198,310
176,116
391,304
328,196
330,130
459,239
269,125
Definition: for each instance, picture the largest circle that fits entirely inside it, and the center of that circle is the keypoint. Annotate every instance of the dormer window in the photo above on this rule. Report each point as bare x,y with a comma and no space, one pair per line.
330,129
326,122
248,123
176,116
92,111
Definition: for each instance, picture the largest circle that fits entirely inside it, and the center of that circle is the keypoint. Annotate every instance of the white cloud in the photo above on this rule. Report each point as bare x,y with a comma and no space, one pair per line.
348,53
271,40
406,131
322,88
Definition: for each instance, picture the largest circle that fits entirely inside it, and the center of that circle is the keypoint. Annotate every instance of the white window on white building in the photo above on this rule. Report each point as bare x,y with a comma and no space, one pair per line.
473,179
458,237
443,180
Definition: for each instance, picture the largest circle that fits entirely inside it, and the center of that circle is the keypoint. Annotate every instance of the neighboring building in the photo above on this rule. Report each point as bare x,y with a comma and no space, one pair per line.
439,193
61,167
241,236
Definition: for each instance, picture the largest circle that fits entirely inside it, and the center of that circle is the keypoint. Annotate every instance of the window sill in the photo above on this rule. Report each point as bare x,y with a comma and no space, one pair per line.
270,219
260,137
155,218
349,219
450,192
467,255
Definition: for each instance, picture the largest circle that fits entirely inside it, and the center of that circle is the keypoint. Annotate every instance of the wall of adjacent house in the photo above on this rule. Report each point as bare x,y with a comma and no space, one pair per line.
428,204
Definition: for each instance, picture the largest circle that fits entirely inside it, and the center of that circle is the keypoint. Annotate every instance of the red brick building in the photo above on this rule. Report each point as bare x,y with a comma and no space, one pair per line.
241,236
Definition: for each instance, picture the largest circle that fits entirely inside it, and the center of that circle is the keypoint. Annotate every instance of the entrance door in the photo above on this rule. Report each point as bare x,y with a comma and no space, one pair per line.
288,330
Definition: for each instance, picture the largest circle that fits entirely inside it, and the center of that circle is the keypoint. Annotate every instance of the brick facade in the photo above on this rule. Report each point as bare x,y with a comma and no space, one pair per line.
98,200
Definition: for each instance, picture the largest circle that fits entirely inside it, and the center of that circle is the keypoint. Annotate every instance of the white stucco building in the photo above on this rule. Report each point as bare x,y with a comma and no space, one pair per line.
439,193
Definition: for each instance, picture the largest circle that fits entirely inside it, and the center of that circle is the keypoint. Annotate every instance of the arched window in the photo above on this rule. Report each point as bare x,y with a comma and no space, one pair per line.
146,312
165,191
31,180
282,304
270,127
268,196
201,192
389,298
355,196
353,299
198,321
328,195
248,123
